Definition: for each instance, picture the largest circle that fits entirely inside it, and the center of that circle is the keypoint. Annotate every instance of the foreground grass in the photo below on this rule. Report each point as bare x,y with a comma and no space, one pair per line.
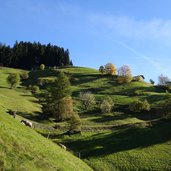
20,147
23,149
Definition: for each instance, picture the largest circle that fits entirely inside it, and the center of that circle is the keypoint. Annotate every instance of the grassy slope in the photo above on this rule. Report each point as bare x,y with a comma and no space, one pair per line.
18,99
22,148
122,148
139,148
87,79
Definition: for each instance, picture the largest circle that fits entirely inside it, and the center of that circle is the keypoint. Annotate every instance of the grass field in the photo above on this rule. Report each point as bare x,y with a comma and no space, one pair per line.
120,140
125,148
21,148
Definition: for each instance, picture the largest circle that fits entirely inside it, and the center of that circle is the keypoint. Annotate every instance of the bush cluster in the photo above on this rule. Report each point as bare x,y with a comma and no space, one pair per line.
139,106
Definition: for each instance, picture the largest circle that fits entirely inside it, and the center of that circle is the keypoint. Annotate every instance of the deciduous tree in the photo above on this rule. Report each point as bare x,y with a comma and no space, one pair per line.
102,69
124,74
138,106
163,80
13,79
110,69
87,99
106,105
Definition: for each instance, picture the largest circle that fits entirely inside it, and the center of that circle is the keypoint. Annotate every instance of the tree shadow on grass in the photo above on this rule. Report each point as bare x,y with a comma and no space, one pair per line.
36,116
149,115
33,75
157,98
84,78
154,113
122,140
5,87
134,90
110,117
76,93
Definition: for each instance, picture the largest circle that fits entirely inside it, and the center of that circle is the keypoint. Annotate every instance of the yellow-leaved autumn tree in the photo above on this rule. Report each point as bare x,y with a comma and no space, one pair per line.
110,69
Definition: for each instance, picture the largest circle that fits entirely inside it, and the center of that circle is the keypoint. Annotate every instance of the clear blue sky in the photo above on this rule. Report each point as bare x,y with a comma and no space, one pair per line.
132,32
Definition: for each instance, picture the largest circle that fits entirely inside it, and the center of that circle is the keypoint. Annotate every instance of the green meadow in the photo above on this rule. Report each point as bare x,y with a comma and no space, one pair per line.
120,140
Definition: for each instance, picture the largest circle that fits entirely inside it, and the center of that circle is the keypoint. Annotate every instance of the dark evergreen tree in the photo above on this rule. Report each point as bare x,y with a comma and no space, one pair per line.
58,101
29,55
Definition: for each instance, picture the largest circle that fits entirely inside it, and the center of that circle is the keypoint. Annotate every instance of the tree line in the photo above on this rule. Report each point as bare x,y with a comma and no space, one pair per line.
27,55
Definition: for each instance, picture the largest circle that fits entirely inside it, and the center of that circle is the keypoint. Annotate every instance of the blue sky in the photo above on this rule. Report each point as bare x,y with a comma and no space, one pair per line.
132,32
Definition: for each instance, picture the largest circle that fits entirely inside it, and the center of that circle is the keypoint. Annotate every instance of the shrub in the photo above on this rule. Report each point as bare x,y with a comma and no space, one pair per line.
34,88
106,105
75,123
42,66
13,79
124,79
87,99
24,76
139,106
152,81
102,69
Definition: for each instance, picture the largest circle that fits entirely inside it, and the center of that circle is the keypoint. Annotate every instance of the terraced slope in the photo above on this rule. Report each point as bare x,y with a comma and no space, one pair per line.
120,140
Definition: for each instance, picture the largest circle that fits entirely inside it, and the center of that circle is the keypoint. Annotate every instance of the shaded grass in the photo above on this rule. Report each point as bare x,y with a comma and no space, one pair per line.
126,148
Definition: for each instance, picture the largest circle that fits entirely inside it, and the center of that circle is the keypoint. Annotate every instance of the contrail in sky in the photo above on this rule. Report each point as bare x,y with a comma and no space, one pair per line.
146,58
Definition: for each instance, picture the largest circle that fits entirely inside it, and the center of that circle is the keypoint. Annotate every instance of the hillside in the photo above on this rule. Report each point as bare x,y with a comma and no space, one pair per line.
21,147
120,140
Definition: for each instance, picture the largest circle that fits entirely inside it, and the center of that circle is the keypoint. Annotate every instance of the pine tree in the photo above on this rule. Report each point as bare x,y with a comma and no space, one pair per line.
58,101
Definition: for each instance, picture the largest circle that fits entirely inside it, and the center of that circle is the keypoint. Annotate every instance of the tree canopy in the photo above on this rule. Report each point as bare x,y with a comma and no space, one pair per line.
27,55
110,69
124,74
13,79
